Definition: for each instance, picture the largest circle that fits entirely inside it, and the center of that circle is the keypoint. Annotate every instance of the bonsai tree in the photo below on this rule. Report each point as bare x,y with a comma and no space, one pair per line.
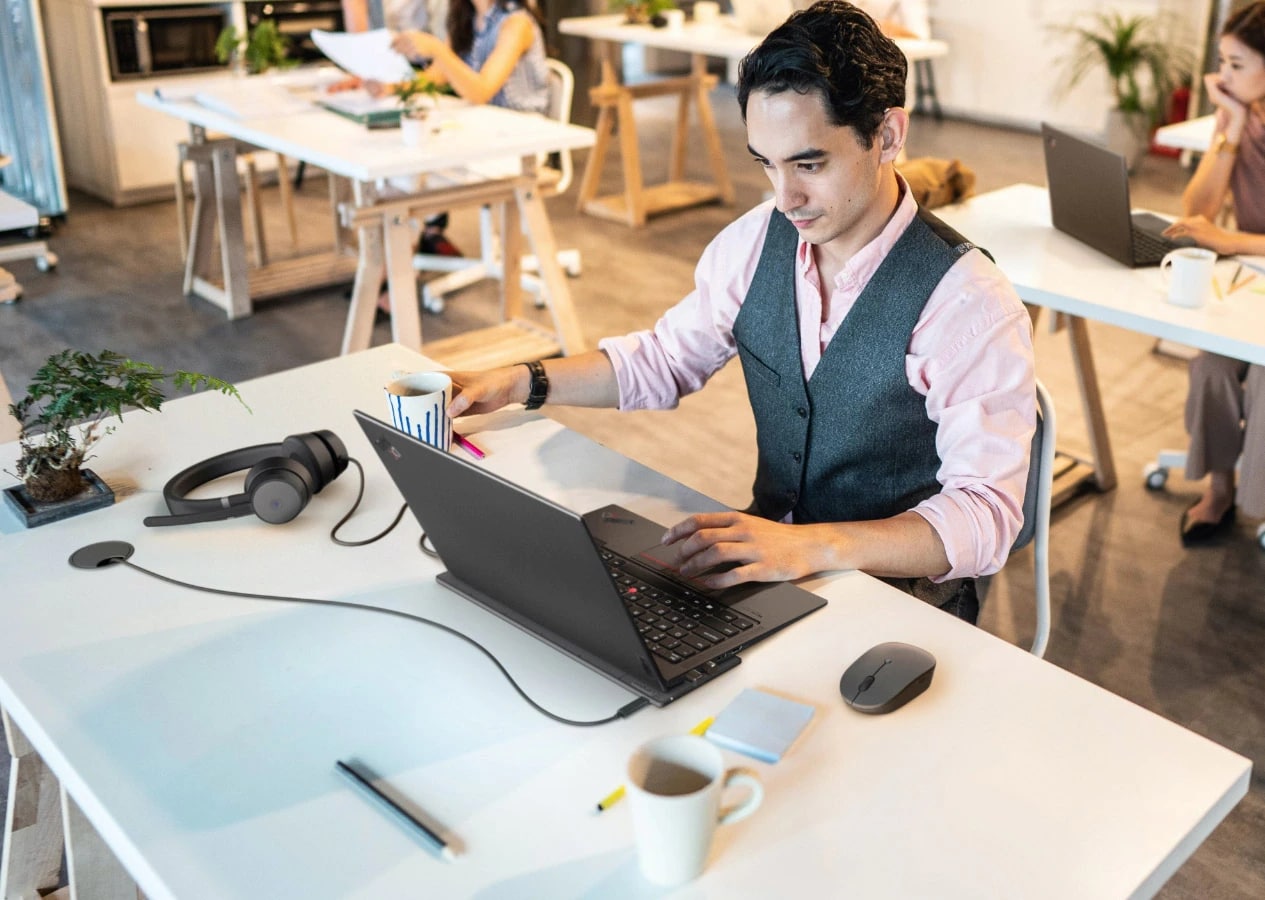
262,48
66,406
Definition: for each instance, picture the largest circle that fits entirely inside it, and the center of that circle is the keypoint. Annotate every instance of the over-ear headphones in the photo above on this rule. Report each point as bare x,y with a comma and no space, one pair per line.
281,480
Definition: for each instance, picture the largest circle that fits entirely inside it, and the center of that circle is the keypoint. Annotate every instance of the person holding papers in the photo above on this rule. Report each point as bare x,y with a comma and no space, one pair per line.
398,15
1225,407
888,361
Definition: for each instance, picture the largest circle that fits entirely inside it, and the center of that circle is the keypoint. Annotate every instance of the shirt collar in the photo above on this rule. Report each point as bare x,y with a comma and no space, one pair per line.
861,268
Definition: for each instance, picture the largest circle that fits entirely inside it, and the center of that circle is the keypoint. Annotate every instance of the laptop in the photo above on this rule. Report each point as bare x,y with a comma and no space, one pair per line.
1089,200
597,587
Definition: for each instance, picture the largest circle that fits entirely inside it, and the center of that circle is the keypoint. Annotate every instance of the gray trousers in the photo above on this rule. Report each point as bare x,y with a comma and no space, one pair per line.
1225,418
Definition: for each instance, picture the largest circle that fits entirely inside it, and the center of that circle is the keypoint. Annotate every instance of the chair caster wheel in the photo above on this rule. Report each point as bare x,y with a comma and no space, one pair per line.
432,303
1260,536
1156,477
47,262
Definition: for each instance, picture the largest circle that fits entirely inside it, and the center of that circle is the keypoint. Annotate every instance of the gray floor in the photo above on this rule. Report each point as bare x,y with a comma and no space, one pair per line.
1177,632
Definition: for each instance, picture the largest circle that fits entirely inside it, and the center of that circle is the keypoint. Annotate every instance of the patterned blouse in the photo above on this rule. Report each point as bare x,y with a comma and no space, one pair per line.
527,88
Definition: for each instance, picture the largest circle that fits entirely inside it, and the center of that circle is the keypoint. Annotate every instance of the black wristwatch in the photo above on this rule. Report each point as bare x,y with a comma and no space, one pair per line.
539,389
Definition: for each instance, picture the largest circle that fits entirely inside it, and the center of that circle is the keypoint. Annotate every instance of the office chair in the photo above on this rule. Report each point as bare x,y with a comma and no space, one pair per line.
1036,514
17,214
463,272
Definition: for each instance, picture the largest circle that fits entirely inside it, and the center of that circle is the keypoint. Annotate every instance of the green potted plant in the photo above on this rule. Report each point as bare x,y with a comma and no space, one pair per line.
1143,63
641,12
262,48
64,414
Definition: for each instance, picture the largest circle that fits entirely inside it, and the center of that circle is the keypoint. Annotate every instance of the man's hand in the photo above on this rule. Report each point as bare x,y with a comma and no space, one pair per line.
483,392
759,549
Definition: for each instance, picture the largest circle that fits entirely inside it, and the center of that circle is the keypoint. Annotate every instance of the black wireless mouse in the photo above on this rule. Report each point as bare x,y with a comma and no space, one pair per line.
887,677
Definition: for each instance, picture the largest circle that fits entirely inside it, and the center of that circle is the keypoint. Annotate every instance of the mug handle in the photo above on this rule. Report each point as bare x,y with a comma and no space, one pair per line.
1166,265
751,781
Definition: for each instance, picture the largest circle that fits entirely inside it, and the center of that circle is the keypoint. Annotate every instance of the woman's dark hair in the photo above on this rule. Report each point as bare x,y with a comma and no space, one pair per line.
1248,25
461,21
836,50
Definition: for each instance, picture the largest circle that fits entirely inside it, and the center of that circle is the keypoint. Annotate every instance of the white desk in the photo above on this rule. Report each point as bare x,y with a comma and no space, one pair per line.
385,223
1051,269
199,733
615,108
1194,135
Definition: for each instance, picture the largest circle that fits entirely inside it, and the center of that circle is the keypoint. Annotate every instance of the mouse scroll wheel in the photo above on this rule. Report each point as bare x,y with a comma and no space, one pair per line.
865,684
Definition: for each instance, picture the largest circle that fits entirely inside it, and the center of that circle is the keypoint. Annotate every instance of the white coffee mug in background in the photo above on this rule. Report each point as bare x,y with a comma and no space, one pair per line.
1188,273
419,406
674,791
675,19
706,12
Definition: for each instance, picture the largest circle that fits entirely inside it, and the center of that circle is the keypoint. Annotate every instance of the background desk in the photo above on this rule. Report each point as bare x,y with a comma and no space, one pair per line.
386,224
199,733
615,108
1051,269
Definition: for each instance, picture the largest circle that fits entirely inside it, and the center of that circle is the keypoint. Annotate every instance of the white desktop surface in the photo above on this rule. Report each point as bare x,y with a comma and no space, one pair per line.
344,147
1193,134
199,733
721,39
1052,269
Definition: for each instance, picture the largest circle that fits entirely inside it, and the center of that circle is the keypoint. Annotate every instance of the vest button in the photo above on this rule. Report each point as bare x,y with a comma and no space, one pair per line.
797,456
802,413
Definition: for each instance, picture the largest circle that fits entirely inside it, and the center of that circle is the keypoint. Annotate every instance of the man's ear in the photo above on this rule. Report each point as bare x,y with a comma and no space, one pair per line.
892,133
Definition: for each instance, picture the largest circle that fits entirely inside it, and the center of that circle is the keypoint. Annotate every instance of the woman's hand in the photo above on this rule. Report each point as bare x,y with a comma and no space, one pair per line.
1231,112
350,83
417,45
483,392
1203,233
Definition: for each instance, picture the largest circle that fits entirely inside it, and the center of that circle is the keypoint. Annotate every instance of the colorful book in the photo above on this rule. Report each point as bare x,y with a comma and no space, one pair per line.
760,725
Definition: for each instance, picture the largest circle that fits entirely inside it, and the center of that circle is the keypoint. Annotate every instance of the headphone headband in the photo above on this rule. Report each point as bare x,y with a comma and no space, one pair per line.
177,489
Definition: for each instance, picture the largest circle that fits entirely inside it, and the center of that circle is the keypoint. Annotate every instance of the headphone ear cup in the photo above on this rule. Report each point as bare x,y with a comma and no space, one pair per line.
337,452
279,487
306,450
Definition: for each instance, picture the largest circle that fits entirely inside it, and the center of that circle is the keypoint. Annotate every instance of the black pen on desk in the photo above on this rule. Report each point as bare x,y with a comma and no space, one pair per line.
366,789
1234,280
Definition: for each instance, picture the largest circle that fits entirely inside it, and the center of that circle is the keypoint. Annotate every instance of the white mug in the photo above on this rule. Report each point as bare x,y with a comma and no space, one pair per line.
706,12
674,791
1188,273
419,406
675,19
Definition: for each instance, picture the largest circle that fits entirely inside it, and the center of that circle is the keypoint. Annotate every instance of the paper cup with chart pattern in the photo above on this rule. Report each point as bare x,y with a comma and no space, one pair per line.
419,404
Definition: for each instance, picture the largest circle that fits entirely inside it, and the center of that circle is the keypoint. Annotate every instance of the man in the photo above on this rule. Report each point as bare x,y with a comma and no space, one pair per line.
888,363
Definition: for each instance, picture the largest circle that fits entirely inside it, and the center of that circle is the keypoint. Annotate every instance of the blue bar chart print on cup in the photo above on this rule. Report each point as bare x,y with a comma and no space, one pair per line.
419,406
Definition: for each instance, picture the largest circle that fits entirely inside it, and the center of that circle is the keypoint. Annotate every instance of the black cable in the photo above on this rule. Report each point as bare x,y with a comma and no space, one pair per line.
622,713
360,493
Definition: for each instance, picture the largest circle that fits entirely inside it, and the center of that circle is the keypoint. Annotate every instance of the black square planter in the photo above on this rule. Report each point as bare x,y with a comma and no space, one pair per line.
36,512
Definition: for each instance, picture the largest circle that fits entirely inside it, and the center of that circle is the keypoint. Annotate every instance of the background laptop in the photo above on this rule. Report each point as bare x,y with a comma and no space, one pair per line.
1089,200
593,586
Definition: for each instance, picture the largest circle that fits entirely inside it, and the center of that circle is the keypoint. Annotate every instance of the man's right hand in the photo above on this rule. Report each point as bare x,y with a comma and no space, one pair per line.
483,392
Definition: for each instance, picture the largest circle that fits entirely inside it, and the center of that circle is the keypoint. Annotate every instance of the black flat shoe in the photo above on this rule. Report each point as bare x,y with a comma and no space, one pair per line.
1196,533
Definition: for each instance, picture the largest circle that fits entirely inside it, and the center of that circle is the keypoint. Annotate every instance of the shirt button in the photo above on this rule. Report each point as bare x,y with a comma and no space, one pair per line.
797,456
803,413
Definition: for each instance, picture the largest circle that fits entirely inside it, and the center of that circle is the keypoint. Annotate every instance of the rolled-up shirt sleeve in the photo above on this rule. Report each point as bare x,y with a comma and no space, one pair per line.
971,357
694,338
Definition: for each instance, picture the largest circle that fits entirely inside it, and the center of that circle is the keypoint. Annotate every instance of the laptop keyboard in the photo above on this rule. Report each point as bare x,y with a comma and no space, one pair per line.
675,623
1149,247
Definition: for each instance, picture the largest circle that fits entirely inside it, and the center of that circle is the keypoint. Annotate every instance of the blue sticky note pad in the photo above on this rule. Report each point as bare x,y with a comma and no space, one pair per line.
760,724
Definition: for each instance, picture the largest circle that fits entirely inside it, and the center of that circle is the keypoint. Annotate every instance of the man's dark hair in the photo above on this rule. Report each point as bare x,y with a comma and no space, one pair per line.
836,50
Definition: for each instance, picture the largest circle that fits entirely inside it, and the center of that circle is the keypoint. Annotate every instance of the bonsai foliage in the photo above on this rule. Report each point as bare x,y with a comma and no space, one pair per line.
66,406
264,47
1126,47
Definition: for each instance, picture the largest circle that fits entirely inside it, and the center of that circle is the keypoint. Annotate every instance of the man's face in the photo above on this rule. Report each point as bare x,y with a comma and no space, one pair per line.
826,183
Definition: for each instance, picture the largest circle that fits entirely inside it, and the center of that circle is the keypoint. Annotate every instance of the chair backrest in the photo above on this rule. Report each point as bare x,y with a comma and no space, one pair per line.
1036,514
561,93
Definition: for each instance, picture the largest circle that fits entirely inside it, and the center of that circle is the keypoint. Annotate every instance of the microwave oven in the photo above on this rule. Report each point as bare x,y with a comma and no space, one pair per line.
159,40
295,20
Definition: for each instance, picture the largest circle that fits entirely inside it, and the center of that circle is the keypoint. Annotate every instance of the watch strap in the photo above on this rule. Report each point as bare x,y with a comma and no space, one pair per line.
538,391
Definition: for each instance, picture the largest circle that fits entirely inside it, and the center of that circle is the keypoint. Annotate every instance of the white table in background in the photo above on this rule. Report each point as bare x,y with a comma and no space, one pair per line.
1056,271
1191,136
199,733
386,223
615,111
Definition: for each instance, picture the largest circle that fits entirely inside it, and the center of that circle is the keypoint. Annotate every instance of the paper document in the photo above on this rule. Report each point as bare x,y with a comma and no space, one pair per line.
365,54
1255,263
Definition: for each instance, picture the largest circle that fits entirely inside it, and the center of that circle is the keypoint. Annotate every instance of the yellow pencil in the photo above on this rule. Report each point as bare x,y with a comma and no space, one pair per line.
618,794
1216,288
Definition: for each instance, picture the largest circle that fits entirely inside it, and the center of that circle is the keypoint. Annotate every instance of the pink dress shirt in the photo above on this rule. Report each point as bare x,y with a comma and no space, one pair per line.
970,355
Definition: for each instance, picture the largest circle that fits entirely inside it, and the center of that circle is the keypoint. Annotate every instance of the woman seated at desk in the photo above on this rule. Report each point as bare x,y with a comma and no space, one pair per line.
495,53
1225,408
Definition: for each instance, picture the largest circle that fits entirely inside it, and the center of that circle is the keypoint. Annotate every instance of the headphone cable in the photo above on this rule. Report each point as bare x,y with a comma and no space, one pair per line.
360,493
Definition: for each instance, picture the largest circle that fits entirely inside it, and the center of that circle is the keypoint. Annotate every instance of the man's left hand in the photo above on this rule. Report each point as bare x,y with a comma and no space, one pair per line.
758,550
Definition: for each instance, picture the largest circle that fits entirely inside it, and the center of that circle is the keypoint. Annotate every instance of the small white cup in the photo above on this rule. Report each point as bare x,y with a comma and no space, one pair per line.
675,19
674,791
419,407
1188,274
706,12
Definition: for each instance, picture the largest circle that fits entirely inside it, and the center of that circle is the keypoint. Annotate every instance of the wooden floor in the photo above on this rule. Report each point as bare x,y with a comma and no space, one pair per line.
1179,632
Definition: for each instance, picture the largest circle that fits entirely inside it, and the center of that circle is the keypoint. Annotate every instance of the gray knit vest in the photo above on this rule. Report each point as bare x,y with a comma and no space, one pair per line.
853,443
